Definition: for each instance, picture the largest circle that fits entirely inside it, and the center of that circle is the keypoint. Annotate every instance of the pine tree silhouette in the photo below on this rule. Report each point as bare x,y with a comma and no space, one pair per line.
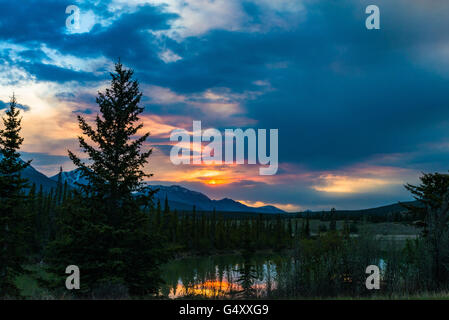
115,247
14,216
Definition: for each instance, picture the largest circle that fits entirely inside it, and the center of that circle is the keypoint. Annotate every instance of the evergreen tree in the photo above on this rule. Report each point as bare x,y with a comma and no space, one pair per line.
158,215
246,269
59,188
279,233
194,235
213,226
122,251
166,217
346,230
14,219
433,208
41,224
166,206
429,194
307,227
32,209
333,223
174,226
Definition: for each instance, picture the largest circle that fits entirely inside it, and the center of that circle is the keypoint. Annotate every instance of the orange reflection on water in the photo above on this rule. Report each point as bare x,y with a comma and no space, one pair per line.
209,289
215,289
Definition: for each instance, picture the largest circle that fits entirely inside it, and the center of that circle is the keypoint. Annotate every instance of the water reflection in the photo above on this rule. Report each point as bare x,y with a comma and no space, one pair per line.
219,276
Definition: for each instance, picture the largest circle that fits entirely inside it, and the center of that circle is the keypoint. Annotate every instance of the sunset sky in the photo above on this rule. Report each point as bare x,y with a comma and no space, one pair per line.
360,112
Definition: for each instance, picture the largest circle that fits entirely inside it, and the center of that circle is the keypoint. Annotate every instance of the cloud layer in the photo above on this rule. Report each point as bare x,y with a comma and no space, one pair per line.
360,112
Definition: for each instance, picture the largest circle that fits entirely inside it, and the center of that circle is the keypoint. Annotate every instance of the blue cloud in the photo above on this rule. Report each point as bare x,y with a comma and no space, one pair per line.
47,72
338,93
5,105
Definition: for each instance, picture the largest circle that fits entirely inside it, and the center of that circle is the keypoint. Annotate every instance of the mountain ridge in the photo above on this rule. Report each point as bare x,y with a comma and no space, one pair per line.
38,178
174,191
181,198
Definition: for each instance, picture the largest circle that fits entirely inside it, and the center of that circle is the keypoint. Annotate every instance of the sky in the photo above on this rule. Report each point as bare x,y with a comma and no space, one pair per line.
359,112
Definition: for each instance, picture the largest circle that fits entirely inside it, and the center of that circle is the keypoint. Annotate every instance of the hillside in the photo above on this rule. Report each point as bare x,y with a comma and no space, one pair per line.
382,210
38,178
183,199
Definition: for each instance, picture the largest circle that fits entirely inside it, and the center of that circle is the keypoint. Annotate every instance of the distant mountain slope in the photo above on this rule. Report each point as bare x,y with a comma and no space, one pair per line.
388,209
38,178
183,199
72,177
392,208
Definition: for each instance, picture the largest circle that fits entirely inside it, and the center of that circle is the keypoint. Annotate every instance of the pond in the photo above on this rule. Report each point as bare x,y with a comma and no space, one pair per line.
219,276
222,276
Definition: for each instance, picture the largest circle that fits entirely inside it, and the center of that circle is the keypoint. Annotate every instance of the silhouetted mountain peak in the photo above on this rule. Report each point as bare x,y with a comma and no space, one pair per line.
181,198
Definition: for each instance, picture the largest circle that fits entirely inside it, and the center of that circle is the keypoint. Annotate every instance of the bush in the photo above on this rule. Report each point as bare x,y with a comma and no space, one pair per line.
353,228
322,228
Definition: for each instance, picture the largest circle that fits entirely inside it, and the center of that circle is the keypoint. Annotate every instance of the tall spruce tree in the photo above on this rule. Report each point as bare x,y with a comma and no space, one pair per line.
307,227
333,218
14,218
432,206
111,243
247,270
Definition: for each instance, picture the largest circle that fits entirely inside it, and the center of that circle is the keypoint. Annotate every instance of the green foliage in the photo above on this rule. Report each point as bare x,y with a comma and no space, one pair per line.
353,228
104,229
327,266
15,219
322,228
433,197
247,269
429,193
333,218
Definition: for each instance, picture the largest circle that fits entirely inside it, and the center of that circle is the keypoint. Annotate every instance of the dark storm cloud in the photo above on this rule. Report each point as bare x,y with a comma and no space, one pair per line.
38,23
33,20
128,38
344,94
46,72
